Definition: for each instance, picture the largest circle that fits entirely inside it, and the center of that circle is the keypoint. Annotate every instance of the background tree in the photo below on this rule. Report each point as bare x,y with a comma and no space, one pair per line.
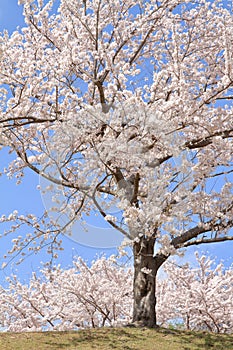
100,295
79,297
197,298
124,104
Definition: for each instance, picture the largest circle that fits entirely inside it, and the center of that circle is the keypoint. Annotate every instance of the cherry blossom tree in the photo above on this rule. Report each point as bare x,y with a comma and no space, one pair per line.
79,297
126,105
198,298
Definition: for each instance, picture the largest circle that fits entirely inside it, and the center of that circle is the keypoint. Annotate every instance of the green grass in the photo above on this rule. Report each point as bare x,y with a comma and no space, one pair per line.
116,338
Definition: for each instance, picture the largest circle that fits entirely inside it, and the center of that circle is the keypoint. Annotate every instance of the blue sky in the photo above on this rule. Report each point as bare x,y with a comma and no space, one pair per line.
27,199
10,15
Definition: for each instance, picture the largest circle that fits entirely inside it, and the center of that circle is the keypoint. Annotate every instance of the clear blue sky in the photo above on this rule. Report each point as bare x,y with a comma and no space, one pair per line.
27,199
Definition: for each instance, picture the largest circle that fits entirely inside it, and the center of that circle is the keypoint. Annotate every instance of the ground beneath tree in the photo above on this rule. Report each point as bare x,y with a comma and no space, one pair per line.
116,338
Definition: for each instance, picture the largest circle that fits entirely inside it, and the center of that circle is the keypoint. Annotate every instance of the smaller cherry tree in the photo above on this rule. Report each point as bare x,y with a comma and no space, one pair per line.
198,298
80,297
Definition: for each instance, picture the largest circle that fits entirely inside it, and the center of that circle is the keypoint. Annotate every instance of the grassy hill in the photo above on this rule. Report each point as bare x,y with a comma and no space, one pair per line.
116,338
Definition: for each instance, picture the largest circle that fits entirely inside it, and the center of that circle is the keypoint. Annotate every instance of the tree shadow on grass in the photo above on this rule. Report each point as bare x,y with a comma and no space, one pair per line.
104,335
202,340
120,338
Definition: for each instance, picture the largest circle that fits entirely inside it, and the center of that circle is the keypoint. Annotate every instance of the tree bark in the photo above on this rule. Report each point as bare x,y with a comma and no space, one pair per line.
146,266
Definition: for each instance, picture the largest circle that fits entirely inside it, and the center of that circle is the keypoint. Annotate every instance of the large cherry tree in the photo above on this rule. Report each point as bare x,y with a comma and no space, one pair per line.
127,105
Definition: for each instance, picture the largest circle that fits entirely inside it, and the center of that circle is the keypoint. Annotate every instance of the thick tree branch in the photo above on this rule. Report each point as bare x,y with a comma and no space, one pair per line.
207,140
211,225
208,240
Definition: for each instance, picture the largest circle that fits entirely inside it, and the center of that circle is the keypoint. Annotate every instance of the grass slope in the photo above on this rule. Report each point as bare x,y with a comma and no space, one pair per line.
116,338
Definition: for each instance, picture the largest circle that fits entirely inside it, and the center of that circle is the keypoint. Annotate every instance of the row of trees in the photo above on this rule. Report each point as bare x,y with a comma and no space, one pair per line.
99,295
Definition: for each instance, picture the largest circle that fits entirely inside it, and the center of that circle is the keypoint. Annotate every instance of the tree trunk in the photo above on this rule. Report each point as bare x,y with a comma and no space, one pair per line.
146,266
